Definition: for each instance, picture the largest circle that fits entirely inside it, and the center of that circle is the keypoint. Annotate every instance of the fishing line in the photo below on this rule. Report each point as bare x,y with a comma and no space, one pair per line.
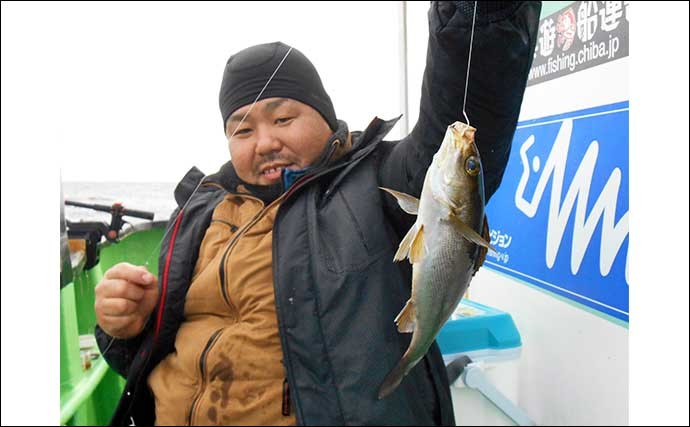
231,136
262,91
469,59
108,347
467,80
157,247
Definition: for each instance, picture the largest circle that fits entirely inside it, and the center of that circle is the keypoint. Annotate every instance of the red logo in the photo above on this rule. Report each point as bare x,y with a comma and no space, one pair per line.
565,29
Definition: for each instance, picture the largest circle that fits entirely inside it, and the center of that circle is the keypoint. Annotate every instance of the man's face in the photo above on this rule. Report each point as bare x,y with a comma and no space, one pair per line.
278,133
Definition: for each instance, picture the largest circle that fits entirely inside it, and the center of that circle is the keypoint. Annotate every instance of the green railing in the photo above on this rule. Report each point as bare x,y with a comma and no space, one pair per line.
89,389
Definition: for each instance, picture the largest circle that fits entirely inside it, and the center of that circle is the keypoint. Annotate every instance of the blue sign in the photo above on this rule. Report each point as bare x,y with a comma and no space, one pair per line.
559,220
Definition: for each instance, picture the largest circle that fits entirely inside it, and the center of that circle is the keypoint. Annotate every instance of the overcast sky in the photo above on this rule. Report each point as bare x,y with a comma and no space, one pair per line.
129,92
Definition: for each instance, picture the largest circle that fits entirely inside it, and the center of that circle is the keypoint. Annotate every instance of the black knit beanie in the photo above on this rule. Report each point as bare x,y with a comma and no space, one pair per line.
247,71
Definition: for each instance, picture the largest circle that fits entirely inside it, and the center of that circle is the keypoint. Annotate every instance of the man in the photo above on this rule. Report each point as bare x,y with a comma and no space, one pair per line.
277,290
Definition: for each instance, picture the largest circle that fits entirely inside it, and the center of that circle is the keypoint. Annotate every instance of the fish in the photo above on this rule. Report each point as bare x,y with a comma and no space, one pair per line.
446,245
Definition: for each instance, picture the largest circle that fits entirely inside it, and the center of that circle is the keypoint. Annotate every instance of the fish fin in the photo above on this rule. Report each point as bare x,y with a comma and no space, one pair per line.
412,245
482,250
468,233
405,244
395,377
407,318
409,204
418,250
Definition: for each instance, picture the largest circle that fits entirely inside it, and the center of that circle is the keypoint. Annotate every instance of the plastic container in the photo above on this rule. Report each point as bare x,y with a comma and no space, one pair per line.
486,393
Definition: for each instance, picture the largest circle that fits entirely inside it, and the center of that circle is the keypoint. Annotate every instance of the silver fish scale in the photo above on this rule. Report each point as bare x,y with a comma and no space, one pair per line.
449,262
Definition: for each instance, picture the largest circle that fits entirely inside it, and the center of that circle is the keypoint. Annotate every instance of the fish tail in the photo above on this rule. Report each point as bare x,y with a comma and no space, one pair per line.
394,377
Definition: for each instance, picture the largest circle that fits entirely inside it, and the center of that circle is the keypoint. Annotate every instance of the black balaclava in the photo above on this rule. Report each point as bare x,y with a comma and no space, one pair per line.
247,72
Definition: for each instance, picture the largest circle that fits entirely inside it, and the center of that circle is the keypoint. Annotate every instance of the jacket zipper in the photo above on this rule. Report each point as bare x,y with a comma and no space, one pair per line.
298,184
202,369
233,227
233,242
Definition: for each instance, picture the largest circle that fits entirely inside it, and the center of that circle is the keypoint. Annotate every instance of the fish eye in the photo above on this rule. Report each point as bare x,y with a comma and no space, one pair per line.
472,165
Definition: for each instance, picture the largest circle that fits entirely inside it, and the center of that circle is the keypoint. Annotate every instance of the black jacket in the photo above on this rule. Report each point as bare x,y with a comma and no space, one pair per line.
337,289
